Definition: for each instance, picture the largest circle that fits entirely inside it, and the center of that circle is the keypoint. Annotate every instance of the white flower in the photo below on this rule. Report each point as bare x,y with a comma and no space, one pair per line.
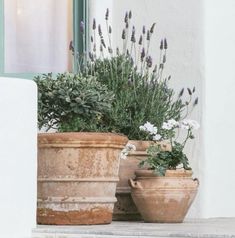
142,128
128,148
123,154
194,124
131,147
166,126
157,137
189,124
170,124
150,128
173,122
184,126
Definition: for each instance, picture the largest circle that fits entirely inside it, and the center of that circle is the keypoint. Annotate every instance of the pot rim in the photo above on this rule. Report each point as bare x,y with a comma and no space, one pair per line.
145,173
82,139
142,145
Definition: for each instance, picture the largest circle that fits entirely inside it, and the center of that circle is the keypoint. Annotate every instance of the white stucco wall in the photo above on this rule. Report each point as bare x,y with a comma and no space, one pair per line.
18,163
181,22
219,111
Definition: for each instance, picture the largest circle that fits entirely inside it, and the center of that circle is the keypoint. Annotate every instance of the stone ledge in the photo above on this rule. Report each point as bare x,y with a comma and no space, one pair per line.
203,228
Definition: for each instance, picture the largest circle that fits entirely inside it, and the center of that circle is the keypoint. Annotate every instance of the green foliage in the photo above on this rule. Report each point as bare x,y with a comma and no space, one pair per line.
136,98
72,103
159,160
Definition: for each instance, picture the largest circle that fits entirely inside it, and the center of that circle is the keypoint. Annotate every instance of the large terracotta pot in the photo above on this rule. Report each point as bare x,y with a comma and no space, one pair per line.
163,199
125,209
77,177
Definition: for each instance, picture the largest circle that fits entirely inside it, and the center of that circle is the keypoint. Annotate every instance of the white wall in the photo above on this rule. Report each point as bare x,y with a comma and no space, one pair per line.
18,163
181,22
219,111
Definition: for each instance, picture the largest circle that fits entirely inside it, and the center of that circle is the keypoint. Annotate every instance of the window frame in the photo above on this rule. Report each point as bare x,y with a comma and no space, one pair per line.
80,13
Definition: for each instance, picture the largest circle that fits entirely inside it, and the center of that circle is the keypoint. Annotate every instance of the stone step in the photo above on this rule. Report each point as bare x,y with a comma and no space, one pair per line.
203,228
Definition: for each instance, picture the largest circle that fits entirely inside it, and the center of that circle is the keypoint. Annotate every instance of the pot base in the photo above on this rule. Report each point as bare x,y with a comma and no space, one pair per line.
90,217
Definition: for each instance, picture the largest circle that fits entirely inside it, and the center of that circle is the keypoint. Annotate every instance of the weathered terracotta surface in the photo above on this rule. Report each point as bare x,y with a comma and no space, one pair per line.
163,199
125,209
77,177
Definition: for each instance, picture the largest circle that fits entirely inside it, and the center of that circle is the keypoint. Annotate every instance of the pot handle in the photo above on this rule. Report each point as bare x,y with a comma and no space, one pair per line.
196,180
134,184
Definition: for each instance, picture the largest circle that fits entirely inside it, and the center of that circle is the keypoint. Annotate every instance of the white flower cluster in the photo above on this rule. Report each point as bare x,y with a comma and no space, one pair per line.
148,127
170,124
151,129
129,147
189,124
185,124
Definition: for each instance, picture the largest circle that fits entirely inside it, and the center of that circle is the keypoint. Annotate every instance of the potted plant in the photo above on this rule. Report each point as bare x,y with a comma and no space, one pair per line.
164,190
142,93
77,165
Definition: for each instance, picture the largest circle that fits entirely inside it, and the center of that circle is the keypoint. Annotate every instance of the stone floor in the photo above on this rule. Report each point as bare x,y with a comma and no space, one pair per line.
205,228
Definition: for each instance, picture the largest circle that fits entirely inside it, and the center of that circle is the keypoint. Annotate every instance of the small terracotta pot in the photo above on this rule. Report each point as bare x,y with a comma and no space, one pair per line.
77,177
125,209
163,199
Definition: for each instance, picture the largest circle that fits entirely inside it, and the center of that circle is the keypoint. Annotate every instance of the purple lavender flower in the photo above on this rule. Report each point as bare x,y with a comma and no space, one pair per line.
165,44
140,40
123,34
110,29
142,54
149,61
127,25
133,39
164,59
110,50
126,17
94,24
103,42
107,14
130,14
133,35
152,28
101,48
143,30
148,35
117,51
161,45
189,91
99,30
181,92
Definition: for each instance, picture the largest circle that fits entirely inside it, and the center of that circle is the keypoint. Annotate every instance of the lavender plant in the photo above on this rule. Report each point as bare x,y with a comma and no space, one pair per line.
142,92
